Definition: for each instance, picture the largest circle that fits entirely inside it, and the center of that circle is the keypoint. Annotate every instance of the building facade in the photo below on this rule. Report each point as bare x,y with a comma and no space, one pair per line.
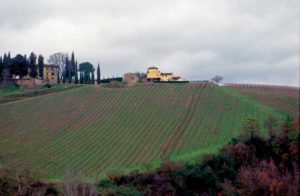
50,73
153,74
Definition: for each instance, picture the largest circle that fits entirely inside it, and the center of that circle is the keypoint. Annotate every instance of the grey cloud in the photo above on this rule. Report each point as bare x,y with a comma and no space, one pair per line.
245,41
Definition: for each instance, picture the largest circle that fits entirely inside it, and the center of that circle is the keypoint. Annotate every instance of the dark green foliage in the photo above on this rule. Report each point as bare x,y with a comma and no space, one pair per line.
251,126
73,65
98,74
64,77
32,65
41,66
87,69
81,78
76,73
18,66
1,68
67,71
58,77
109,80
6,67
93,77
48,85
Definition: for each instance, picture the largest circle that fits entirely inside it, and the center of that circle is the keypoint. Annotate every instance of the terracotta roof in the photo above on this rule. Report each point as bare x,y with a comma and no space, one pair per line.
152,68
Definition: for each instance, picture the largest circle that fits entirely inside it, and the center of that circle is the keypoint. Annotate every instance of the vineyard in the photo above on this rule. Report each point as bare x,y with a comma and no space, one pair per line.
284,99
98,130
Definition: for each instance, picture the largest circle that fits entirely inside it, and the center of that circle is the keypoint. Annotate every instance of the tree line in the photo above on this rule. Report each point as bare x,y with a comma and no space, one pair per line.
69,71
21,66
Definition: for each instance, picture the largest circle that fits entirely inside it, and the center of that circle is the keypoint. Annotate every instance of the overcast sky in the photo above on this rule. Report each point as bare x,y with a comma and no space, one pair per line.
245,41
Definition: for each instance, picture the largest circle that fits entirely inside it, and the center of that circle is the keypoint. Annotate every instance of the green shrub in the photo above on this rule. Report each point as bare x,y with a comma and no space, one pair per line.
48,85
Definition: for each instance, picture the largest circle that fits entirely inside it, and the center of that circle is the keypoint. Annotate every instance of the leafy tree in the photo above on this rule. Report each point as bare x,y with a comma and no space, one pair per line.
18,66
287,127
59,59
252,126
271,124
217,79
6,67
86,69
41,66
32,65
98,74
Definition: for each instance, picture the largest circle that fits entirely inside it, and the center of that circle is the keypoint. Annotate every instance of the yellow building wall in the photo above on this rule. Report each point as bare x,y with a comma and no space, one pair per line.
166,77
153,73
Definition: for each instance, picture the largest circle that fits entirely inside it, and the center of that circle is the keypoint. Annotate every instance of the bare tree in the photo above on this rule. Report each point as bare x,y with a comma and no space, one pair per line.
217,79
59,59
74,185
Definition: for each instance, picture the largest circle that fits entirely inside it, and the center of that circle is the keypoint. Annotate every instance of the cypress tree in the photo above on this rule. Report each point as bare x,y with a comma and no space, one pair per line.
41,66
76,73
98,74
67,68
32,65
6,68
18,66
70,78
81,78
72,64
58,78
93,77
1,68
64,77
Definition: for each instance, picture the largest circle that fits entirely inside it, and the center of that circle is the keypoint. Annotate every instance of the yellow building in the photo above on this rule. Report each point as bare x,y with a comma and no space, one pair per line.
166,77
153,74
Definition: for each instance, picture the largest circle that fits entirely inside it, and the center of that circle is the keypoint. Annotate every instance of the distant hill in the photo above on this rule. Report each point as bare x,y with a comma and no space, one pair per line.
99,130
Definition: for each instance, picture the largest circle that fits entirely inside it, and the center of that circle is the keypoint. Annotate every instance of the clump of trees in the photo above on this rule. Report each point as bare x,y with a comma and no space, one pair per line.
87,73
20,66
69,70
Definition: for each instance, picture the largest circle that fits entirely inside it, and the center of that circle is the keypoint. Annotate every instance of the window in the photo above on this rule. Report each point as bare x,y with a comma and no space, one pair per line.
52,74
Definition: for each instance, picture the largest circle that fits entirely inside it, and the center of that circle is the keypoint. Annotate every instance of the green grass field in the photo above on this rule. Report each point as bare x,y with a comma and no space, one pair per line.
99,130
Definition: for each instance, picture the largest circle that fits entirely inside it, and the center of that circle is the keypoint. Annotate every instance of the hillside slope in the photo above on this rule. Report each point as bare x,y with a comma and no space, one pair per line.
97,130
285,99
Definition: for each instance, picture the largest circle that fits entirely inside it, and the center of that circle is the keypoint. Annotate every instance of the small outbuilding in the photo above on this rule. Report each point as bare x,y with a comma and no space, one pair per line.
131,78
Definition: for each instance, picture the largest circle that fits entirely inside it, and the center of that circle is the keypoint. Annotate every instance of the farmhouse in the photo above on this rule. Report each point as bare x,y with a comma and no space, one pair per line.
50,73
153,75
